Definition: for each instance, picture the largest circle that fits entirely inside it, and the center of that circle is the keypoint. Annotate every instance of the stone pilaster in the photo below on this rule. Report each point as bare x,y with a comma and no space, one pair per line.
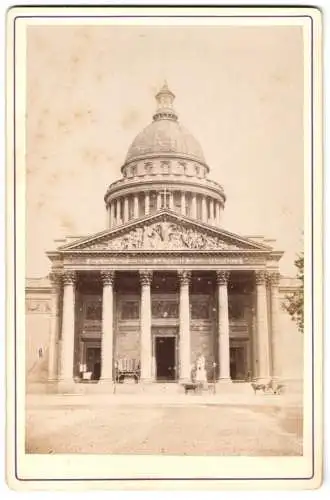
56,282
145,337
274,282
107,326
69,279
262,326
184,343
223,326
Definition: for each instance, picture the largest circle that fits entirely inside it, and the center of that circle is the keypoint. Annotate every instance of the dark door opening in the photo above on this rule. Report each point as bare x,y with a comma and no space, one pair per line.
237,363
93,362
165,358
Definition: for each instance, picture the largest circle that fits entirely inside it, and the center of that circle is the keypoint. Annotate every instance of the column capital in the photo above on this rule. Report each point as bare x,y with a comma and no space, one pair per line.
108,277
184,277
69,278
273,278
261,277
222,277
55,278
145,278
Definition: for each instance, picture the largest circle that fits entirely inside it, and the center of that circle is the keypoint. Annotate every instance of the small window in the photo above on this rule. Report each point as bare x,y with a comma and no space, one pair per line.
165,167
148,168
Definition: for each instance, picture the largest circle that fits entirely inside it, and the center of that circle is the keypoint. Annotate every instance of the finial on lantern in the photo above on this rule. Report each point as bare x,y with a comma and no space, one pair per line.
165,98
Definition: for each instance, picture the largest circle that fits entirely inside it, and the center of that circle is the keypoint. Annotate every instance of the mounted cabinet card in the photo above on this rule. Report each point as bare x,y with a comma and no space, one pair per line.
164,198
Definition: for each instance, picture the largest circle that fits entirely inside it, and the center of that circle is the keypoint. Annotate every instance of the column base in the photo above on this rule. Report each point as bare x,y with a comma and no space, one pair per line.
263,379
146,381
66,386
106,381
224,380
185,380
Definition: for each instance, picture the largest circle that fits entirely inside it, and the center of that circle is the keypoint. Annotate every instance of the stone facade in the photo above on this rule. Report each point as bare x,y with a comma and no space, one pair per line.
164,283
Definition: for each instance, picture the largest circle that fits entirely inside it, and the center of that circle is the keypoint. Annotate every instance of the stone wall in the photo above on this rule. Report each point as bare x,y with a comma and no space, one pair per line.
37,323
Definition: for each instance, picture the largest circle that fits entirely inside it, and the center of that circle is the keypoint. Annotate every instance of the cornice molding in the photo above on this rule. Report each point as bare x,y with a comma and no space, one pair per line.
187,184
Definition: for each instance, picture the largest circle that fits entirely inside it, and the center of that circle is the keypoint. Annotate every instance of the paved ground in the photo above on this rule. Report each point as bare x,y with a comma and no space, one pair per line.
202,429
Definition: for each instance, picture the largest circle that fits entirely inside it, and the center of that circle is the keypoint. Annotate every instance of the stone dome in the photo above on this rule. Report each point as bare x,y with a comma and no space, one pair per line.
165,135
164,169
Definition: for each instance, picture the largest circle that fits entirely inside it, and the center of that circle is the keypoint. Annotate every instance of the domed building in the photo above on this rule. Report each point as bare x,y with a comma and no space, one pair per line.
164,284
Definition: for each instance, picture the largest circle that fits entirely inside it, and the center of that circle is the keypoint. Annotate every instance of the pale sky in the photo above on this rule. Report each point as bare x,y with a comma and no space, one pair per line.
239,90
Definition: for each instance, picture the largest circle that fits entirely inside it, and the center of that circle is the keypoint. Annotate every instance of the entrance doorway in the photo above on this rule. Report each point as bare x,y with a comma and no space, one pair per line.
93,362
165,358
238,365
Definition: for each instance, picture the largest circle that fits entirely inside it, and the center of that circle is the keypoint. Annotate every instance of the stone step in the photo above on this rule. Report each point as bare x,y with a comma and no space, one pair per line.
226,388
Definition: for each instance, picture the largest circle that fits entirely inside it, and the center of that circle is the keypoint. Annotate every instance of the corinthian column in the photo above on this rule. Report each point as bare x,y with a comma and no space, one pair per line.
145,337
136,206
113,219
171,200
211,211
126,209
183,203
55,279
147,203
159,201
68,327
223,326
185,364
118,214
193,206
204,209
217,212
274,281
262,326
107,326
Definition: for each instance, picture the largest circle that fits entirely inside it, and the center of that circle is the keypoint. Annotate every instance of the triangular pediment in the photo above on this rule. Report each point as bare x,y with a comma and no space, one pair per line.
163,231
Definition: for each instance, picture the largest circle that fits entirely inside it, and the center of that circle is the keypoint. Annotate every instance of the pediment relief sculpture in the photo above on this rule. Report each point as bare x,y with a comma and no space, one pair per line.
163,236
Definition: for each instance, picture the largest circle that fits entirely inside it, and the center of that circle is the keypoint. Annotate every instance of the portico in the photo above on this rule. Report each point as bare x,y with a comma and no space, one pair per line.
163,316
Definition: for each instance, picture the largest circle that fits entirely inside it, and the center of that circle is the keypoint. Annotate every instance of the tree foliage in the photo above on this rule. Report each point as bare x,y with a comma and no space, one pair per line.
294,302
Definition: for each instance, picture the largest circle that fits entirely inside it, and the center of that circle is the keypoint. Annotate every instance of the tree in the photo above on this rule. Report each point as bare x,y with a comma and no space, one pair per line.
294,302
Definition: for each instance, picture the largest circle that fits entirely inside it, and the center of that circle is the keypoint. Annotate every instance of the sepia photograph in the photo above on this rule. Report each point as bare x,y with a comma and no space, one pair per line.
165,241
